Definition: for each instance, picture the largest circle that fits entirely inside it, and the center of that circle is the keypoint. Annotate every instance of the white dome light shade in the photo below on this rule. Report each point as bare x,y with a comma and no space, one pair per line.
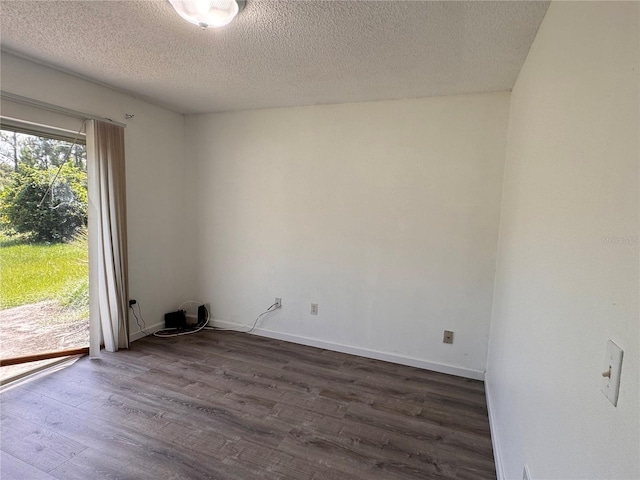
206,13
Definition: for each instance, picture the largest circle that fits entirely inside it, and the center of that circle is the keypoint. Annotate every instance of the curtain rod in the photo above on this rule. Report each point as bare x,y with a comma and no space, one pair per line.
56,108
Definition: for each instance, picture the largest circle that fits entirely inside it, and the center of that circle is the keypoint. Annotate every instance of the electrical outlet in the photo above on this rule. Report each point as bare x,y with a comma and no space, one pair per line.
525,473
278,302
314,309
448,337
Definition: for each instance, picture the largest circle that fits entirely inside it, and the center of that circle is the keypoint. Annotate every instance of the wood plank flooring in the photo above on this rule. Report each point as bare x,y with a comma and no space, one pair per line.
227,405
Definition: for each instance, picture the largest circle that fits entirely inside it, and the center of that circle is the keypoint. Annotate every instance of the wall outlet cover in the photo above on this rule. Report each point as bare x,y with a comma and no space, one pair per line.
611,369
448,337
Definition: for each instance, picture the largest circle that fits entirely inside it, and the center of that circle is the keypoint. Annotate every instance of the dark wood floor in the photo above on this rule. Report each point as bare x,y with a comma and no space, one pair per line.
235,406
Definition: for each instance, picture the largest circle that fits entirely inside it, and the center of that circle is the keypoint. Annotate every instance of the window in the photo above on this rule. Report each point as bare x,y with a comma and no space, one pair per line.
44,267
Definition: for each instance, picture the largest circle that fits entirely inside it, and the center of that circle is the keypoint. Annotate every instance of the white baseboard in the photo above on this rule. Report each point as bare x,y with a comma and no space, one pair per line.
150,330
362,352
497,454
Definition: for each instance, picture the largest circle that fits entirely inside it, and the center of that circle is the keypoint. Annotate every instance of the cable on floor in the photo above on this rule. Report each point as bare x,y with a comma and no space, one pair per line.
268,310
176,332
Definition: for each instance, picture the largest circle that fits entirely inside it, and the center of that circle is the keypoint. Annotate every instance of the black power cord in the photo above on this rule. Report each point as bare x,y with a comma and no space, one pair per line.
143,327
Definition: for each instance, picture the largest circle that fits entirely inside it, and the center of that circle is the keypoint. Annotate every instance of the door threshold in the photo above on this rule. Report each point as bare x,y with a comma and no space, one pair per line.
44,367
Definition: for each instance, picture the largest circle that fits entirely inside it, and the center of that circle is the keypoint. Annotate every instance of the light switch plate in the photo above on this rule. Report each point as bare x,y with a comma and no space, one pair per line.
612,365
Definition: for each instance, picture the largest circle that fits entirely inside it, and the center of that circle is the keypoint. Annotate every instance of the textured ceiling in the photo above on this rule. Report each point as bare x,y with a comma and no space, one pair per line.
279,53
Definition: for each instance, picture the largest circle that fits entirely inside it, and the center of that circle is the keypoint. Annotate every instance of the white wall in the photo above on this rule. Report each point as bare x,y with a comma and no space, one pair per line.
385,214
567,278
159,253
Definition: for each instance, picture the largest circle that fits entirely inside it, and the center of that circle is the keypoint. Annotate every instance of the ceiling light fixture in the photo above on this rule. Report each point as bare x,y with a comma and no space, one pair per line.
208,13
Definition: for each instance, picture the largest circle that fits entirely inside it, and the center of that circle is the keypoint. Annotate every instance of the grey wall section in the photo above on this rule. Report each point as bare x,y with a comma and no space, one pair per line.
567,277
385,214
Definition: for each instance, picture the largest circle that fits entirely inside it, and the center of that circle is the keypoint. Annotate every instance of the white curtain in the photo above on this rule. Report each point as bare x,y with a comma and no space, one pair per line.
108,279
